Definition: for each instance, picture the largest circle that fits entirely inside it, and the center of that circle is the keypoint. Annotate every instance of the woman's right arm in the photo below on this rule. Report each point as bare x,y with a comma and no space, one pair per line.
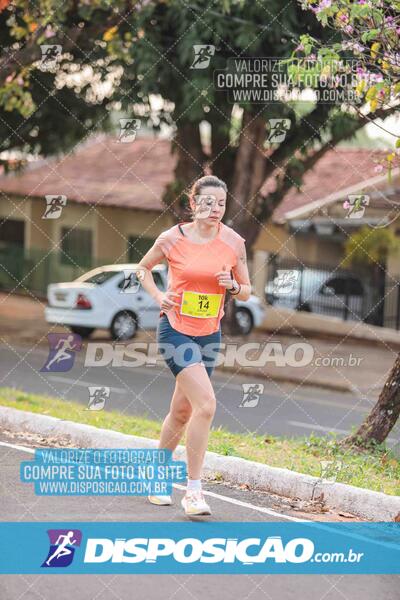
154,256
149,260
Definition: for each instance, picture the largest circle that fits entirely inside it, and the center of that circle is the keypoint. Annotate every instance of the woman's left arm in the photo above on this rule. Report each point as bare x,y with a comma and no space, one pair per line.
241,273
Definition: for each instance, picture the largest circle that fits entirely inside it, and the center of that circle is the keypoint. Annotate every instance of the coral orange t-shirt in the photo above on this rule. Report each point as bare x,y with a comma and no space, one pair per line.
192,268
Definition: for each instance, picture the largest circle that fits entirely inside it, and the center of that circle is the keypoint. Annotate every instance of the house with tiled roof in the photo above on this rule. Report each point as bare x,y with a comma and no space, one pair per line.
311,225
110,209
316,213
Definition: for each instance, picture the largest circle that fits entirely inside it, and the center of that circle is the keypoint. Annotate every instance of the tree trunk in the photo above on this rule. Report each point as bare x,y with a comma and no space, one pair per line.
383,416
248,177
190,164
223,153
249,171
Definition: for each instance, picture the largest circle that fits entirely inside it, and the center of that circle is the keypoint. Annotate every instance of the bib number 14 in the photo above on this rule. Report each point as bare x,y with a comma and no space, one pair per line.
195,304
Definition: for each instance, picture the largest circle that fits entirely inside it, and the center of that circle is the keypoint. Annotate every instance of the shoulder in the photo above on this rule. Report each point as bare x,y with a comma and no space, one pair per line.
168,238
232,238
169,233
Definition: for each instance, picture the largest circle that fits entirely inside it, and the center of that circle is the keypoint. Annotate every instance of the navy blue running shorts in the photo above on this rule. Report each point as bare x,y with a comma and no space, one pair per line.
181,350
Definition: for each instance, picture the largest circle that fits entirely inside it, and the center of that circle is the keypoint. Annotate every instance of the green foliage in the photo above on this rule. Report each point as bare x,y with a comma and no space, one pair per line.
370,246
152,47
369,36
15,96
145,53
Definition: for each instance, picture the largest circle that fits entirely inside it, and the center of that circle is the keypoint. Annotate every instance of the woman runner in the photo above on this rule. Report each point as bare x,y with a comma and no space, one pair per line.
205,259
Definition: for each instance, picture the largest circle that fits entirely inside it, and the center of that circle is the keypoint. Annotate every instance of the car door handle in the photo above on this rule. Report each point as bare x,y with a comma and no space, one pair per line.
139,297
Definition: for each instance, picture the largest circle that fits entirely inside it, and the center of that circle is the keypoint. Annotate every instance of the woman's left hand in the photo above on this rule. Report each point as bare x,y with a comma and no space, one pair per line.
224,278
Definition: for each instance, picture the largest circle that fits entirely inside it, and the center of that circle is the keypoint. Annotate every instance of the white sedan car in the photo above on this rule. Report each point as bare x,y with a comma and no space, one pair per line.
111,297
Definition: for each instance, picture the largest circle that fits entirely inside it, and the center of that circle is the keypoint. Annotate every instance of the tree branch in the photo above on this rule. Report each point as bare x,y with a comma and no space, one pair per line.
295,171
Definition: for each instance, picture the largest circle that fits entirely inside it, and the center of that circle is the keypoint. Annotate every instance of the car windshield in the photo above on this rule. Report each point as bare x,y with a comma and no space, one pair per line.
97,278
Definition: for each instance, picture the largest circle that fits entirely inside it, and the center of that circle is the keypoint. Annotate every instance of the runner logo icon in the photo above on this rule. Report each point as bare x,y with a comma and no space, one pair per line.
62,351
62,547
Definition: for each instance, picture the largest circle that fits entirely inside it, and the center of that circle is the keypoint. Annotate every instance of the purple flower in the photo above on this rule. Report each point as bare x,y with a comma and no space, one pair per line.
321,6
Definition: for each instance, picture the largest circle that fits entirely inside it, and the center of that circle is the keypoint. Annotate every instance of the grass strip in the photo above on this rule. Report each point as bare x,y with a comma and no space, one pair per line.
377,470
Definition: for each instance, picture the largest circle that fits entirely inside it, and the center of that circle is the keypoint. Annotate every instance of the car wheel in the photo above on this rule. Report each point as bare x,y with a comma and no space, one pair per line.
244,320
124,326
84,332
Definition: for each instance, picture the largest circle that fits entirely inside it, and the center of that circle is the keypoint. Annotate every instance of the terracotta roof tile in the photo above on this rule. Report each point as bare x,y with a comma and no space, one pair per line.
102,171
106,172
338,169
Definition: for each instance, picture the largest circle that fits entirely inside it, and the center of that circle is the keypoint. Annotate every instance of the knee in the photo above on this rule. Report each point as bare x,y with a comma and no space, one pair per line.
206,407
182,415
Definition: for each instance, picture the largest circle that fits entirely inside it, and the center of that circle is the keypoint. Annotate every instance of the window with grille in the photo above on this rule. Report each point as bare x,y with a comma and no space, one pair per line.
76,246
12,231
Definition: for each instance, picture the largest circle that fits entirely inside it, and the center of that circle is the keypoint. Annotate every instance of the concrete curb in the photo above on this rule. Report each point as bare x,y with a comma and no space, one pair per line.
363,503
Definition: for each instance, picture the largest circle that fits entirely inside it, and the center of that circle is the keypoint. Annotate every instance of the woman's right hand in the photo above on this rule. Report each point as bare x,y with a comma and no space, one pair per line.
166,301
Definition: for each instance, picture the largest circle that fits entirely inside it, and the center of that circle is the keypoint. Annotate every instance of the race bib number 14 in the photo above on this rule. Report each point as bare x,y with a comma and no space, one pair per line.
202,306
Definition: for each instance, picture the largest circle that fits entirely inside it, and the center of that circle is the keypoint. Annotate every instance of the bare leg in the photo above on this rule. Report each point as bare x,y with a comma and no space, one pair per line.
196,386
176,420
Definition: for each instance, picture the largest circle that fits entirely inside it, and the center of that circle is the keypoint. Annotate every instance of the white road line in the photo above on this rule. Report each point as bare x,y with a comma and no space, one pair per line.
262,509
310,400
267,511
219,384
22,448
82,383
74,382
317,427
327,429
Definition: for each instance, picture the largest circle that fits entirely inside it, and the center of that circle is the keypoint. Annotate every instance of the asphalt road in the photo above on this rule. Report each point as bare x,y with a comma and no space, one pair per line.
282,409
19,503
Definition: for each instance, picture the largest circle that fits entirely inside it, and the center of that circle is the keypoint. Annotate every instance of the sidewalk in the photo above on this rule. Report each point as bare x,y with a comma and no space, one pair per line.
343,365
349,365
